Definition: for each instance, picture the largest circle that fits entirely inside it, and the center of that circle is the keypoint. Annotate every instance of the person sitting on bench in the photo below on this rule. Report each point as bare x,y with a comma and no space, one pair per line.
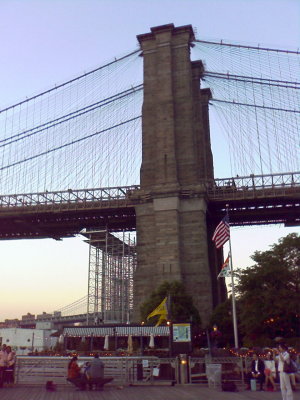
74,375
95,374
257,371
10,367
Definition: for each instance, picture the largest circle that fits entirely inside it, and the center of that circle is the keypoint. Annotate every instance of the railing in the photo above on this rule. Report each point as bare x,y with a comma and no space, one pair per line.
137,370
69,197
255,186
230,369
289,179
124,370
142,370
212,371
239,187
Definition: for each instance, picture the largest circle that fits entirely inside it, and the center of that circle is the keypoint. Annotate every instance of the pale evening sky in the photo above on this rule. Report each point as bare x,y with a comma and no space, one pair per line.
45,42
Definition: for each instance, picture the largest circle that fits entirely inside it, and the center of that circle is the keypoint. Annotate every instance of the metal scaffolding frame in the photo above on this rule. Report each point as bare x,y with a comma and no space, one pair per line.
112,262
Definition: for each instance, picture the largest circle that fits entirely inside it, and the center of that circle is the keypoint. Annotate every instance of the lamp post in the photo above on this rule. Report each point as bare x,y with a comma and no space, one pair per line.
169,324
208,342
215,335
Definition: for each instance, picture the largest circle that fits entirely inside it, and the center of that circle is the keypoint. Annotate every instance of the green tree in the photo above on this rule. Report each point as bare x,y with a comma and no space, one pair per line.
268,292
182,308
222,317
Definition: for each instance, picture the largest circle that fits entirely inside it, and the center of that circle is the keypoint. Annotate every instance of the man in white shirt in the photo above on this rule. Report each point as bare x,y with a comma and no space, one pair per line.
285,383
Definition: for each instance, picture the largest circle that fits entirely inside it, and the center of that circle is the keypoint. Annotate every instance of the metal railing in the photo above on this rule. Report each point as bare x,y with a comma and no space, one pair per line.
289,179
31,370
255,186
79,198
232,369
138,370
244,186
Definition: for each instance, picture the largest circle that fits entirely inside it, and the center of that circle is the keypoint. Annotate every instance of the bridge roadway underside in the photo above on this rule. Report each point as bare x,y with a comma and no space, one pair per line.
58,223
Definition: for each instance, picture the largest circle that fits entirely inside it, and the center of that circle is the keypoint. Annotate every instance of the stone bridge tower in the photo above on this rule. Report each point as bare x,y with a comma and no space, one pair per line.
172,238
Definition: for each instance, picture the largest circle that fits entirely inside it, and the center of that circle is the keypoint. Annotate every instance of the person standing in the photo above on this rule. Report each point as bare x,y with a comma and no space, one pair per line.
285,383
3,363
9,377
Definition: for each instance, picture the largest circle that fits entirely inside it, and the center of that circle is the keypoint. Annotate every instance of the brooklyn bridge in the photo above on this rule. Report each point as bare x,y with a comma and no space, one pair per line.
125,149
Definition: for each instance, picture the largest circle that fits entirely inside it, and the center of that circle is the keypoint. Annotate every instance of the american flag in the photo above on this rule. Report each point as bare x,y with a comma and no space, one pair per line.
222,232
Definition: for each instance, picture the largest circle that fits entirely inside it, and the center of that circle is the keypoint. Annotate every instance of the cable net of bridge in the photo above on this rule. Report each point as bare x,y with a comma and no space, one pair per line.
84,133
255,106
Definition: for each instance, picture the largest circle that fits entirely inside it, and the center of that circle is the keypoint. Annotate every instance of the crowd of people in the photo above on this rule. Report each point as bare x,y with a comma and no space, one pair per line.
90,374
7,365
263,372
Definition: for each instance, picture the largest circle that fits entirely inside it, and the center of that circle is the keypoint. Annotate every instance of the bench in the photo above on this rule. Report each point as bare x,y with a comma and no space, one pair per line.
98,382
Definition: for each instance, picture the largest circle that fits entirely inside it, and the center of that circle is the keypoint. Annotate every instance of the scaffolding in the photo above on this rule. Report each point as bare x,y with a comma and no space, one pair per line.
112,262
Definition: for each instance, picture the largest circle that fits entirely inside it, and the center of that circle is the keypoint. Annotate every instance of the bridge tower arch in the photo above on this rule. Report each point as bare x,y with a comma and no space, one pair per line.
177,162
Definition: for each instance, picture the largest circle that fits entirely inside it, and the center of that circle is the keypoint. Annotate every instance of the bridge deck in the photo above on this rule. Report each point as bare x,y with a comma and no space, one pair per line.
252,200
178,392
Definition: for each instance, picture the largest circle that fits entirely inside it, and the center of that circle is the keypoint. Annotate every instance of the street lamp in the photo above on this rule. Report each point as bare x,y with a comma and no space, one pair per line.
215,335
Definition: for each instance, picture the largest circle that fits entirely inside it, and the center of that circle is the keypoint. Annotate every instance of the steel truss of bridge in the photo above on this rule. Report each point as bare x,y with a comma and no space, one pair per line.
251,200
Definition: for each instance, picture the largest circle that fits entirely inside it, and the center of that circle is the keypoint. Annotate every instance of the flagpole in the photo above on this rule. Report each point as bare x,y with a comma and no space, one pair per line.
170,323
235,331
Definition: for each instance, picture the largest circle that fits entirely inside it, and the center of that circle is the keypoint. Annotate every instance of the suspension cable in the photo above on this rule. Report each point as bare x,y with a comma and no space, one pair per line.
68,144
68,117
221,43
253,79
255,105
70,81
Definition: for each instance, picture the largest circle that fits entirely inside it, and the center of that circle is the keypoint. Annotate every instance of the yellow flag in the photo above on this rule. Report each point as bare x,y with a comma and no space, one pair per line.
162,318
161,310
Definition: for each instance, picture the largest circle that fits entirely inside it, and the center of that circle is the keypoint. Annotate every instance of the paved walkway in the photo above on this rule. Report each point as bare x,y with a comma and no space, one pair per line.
178,392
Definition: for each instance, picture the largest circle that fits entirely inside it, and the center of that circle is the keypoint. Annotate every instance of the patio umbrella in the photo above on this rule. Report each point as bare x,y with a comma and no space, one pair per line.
106,344
129,345
61,339
151,342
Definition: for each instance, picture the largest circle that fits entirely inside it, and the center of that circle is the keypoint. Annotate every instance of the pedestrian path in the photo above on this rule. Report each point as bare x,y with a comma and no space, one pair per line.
177,392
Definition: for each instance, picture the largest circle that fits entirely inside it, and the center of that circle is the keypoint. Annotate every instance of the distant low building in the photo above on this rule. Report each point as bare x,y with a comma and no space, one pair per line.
12,323
28,317
41,317
44,325
24,341
57,314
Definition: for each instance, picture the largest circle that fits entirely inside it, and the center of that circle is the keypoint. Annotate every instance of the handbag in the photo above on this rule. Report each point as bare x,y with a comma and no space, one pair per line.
289,367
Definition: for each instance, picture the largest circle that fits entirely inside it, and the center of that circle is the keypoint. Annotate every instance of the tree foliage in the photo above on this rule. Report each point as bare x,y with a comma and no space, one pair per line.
267,295
269,291
182,308
222,317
